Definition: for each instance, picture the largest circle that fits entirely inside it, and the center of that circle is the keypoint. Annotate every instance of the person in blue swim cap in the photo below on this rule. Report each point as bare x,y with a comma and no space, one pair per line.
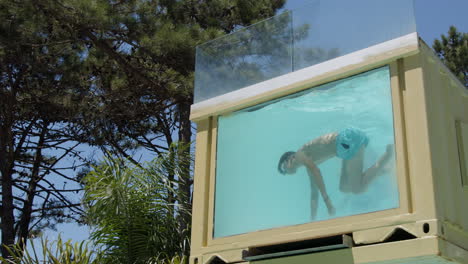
348,145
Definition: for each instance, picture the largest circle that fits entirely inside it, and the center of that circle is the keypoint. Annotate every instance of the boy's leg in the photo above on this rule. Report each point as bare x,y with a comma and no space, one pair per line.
352,176
377,168
351,173
344,179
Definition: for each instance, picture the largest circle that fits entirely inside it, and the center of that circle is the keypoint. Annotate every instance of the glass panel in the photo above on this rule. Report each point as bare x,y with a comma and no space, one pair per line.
249,56
344,128
293,40
336,27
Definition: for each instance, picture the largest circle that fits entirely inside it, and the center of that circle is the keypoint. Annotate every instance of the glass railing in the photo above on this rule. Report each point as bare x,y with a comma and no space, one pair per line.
296,39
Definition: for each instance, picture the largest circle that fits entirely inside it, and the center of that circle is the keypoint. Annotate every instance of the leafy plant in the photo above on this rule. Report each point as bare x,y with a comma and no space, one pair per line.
165,260
131,211
56,252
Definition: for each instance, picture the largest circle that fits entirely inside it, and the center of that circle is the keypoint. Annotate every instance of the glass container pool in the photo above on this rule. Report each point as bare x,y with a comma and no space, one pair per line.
252,194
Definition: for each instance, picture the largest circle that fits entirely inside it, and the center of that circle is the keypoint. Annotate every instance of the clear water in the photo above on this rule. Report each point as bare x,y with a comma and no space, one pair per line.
252,195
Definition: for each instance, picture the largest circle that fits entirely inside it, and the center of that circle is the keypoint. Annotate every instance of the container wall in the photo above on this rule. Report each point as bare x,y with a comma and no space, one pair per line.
447,108
345,128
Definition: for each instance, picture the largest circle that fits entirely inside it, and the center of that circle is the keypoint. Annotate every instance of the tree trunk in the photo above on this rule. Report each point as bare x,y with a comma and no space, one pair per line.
7,213
35,178
185,137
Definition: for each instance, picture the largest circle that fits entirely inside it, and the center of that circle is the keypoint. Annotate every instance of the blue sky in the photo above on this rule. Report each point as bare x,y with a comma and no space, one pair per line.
433,19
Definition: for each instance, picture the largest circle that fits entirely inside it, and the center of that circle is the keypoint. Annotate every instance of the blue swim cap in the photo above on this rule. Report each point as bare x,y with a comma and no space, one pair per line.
349,141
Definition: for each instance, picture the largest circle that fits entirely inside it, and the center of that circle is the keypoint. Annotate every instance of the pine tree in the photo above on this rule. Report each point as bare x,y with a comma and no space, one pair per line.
453,50
41,72
142,54
117,75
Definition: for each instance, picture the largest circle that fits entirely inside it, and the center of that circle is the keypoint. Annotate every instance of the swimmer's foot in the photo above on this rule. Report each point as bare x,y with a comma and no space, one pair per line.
389,151
386,157
385,163
331,209
313,216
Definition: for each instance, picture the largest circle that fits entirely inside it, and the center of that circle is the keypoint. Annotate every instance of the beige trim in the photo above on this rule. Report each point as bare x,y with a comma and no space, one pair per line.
310,230
201,180
417,138
377,235
226,255
398,85
212,184
396,250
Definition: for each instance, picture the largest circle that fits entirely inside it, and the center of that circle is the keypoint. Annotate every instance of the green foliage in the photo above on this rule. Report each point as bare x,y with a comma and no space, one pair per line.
115,75
453,50
39,63
130,210
41,73
57,252
174,260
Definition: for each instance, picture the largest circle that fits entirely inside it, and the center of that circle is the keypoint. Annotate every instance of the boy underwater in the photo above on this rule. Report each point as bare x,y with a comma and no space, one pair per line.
349,145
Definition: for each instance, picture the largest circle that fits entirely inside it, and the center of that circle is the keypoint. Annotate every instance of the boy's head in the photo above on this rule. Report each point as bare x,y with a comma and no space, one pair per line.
287,163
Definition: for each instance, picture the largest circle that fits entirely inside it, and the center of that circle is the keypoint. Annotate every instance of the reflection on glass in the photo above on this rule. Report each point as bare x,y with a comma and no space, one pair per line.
249,56
320,31
313,39
320,154
336,27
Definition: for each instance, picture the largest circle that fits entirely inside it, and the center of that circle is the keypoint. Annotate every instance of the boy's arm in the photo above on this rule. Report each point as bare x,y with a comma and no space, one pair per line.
315,173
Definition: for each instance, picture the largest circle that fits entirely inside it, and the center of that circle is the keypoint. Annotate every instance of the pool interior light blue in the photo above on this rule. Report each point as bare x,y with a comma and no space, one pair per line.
250,193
